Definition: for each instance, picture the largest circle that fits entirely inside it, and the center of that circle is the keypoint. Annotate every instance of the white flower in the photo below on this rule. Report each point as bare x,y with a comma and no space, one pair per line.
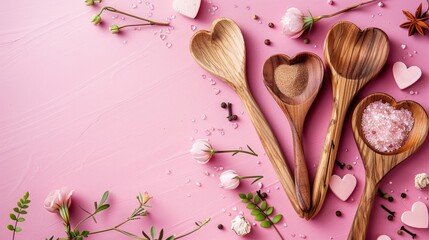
202,151
293,22
240,225
229,179
421,181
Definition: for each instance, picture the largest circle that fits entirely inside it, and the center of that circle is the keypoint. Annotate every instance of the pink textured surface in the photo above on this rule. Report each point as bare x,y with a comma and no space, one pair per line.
82,108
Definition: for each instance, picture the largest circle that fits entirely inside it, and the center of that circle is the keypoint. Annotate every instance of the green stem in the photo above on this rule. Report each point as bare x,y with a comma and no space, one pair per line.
237,151
195,229
134,25
111,9
267,217
16,224
83,220
257,178
113,228
342,11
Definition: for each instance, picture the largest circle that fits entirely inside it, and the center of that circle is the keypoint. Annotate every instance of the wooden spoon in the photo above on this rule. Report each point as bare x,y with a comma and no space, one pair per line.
222,52
353,57
378,164
294,84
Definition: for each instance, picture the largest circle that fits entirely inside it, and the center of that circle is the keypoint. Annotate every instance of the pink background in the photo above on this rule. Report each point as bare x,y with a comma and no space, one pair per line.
83,108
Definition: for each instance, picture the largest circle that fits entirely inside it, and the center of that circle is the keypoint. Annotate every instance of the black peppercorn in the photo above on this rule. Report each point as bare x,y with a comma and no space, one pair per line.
390,217
264,195
349,167
267,42
306,40
234,117
338,213
271,25
399,232
220,226
223,105
390,199
403,195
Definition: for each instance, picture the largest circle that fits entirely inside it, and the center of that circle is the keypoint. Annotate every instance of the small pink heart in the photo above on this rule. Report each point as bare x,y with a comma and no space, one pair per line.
404,76
343,187
384,237
417,217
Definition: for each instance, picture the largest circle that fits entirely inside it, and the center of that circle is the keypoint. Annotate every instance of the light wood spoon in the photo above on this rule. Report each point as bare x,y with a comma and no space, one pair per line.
294,83
222,52
378,164
353,58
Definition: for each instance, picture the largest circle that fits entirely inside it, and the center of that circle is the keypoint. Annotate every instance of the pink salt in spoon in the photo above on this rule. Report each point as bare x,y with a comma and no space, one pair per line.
378,164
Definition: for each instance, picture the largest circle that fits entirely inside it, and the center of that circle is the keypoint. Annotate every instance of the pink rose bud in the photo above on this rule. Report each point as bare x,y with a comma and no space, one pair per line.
229,179
57,199
202,151
293,22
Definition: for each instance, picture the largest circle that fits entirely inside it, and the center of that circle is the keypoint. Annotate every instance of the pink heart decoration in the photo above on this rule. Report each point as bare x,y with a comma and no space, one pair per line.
417,217
343,187
384,237
187,8
404,76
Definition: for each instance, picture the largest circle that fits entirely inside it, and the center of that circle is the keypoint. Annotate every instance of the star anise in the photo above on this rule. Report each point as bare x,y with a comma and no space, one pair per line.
416,22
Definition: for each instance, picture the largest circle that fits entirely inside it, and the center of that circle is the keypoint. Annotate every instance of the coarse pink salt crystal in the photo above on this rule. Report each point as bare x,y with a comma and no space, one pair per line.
385,128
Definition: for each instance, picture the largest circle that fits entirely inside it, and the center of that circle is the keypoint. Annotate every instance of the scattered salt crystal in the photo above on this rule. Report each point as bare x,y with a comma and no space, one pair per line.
234,209
384,127
380,4
403,46
330,2
260,185
198,184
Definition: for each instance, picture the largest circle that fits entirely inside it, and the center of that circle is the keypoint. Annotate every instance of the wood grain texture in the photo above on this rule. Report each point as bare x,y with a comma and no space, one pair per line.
353,57
378,164
222,52
296,109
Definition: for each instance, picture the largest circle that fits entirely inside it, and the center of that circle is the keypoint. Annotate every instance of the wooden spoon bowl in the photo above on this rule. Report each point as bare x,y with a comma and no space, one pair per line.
294,84
378,164
353,57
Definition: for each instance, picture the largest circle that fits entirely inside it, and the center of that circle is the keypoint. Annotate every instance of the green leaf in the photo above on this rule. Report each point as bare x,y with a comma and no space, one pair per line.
153,232
269,211
85,233
266,224
242,196
23,212
263,205
145,235
21,219
171,238
161,234
103,207
257,200
104,198
12,216
79,238
16,210
245,200
22,200
10,227
25,206
27,201
249,196
76,232
250,206
18,229
26,195
19,204
255,212
277,218
260,217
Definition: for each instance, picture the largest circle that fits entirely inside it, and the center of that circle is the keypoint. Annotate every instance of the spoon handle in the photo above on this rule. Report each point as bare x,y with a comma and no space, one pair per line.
363,212
271,146
302,181
343,90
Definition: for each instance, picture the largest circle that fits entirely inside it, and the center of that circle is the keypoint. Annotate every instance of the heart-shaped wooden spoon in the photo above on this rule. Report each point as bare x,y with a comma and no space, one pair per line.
378,164
222,52
294,84
353,57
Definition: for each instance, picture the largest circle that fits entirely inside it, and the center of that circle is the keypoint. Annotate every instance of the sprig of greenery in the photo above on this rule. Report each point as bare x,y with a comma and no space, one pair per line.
262,211
22,205
235,151
153,235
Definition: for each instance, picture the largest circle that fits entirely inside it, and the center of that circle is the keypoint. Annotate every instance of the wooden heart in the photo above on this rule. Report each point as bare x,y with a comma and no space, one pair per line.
356,54
221,51
293,80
